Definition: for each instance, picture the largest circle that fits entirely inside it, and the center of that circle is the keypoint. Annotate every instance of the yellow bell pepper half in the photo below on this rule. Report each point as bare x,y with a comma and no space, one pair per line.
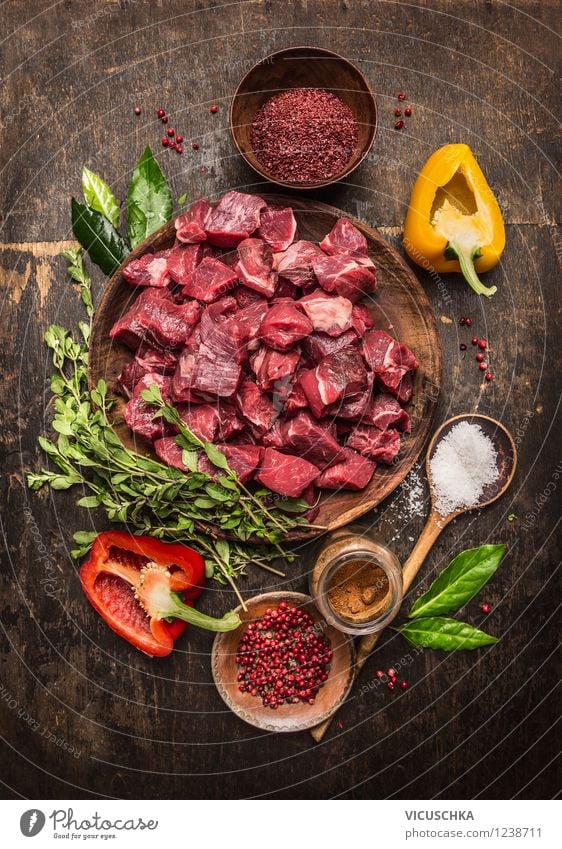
454,222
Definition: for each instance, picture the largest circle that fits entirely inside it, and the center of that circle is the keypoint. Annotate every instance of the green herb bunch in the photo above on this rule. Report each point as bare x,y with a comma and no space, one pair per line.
139,491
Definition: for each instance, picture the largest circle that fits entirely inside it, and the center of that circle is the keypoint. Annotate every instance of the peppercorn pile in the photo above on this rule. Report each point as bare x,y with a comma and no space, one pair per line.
304,135
283,658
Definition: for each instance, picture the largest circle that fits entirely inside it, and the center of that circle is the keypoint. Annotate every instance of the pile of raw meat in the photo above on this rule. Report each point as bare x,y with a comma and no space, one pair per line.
258,340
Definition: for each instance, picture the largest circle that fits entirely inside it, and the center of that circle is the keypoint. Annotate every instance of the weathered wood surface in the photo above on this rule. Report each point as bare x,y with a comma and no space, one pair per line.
471,724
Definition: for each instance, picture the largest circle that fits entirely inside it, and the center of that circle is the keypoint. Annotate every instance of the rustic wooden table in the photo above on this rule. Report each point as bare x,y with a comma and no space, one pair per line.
83,714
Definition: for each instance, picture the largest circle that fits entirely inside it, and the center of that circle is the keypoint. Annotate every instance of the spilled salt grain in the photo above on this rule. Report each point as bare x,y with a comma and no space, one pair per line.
464,463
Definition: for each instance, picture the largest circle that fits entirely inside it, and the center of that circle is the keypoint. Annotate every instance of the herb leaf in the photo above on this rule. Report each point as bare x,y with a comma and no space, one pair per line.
465,575
99,196
98,236
439,632
149,199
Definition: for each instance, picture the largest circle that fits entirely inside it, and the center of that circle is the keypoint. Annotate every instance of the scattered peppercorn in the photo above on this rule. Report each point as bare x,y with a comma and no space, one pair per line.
161,113
474,340
179,139
468,322
462,346
380,673
485,608
391,672
397,112
479,358
483,366
402,95
404,685
390,685
165,142
179,148
482,343
214,108
489,376
164,119
171,132
194,145
462,321
407,111
399,125
138,110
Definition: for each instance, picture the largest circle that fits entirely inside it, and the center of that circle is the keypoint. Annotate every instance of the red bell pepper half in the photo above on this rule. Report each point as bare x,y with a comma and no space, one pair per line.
144,589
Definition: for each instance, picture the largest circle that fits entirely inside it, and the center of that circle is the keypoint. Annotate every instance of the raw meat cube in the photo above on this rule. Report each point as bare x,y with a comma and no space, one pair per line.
157,359
212,279
337,377
244,326
272,366
148,270
256,407
168,450
351,471
344,237
235,218
255,266
353,408
381,445
310,439
190,225
329,314
216,370
285,474
295,264
390,360
154,319
139,415
384,411
361,319
284,325
345,276
278,227
201,419
319,345
184,259
242,459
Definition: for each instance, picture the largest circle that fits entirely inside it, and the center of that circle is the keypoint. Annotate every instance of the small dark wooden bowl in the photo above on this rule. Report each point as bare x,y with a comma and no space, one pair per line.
296,717
303,67
400,307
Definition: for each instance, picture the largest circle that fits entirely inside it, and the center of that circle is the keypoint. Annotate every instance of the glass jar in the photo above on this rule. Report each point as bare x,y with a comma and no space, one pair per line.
356,581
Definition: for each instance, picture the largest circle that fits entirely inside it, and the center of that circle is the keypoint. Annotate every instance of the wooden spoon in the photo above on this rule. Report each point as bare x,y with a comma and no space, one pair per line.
506,464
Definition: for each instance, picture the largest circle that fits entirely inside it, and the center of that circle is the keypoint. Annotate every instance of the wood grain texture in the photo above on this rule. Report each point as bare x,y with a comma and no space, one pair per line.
468,725
400,306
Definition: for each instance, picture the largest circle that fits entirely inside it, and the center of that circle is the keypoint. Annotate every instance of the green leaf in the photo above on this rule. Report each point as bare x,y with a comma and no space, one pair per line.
149,199
84,537
438,632
465,575
98,236
182,199
216,457
88,501
99,196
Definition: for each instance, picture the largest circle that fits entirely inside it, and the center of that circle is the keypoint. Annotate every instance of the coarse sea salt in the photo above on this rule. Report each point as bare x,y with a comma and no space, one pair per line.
463,464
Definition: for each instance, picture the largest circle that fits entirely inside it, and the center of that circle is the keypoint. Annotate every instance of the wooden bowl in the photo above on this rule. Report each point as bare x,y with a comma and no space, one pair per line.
291,717
400,306
303,67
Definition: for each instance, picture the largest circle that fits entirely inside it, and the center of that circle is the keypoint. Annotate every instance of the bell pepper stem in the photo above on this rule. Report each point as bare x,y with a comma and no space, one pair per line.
176,609
465,257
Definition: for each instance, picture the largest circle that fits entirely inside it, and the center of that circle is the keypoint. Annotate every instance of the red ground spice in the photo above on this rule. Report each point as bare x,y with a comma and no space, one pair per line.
304,135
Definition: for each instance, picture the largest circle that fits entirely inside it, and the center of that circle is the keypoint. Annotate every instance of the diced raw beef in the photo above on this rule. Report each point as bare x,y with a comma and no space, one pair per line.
345,276
390,360
230,423
211,280
184,259
154,319
278,227
244,296
310,439
244,326
352,471
130,375
216,370
157,359
273,438
344,237
235,218
319,345
384,411
284,325
285,474
255,266
337,377
361,319
183,377
190,225
168,450
328,313
256,407
404,391
201,419
271,366
242,459
381,445
296,400
148,270
295,264
353,408
139,415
